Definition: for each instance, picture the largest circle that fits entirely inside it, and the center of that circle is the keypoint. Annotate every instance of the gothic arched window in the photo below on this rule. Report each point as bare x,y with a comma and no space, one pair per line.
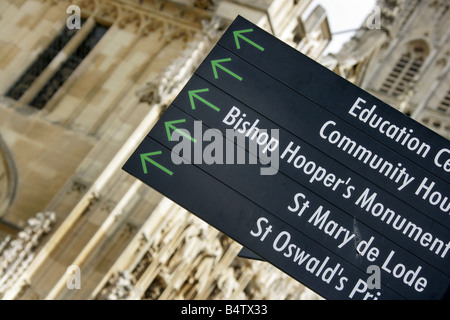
406,69
39,65
59,76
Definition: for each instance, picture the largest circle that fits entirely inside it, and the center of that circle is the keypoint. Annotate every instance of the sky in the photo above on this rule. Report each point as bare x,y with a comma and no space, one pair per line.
344,15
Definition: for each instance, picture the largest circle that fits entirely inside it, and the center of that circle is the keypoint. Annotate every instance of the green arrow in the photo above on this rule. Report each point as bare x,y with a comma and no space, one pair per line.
146,157
217,64
238,34
170,125
193,94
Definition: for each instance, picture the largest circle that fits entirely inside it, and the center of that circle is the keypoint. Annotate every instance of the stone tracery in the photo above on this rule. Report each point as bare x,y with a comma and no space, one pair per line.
17,254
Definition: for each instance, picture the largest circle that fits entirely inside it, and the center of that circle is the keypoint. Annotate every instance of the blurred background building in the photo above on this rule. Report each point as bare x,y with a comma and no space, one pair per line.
75,103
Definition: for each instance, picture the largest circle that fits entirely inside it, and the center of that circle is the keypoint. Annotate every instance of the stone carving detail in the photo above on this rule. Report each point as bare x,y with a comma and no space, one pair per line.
17,254
204,4
138,18
151,25
88,6
122,283
132,20
108,10
184,258
161,89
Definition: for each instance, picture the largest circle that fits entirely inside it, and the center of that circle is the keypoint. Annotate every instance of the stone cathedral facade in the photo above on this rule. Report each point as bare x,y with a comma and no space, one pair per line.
75,103
406,62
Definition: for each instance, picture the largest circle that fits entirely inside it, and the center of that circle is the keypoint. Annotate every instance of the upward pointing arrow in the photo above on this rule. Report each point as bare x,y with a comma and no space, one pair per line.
238,34
145,157
217,64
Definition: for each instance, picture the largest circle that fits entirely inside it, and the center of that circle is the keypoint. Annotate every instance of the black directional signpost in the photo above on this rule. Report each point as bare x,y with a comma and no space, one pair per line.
307,171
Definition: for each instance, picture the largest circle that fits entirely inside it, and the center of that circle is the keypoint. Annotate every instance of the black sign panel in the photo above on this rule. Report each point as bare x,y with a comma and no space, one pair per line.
306,170
337,95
